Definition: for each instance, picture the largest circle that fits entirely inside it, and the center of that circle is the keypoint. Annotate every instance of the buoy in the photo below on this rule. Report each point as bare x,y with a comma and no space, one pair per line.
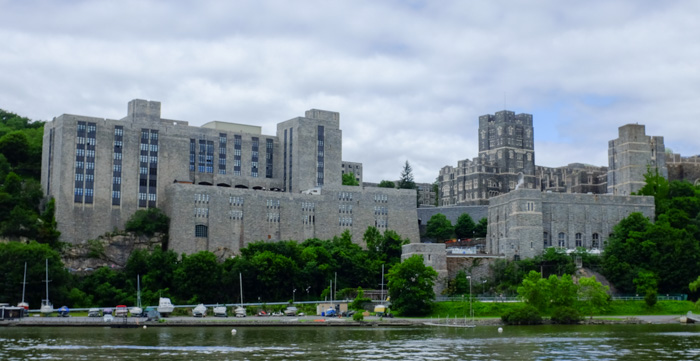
144,327
500,330
233,332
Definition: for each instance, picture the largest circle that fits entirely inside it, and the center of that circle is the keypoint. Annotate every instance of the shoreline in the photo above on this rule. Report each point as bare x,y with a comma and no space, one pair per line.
303,321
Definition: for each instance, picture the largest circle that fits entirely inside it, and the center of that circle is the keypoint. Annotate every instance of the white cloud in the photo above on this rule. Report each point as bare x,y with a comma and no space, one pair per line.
410,78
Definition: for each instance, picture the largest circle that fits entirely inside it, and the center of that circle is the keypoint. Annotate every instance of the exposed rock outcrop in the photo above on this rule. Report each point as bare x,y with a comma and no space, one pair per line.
111,250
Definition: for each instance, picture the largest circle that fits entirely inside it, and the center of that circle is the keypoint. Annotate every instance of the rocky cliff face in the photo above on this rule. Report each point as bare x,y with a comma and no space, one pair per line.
109,250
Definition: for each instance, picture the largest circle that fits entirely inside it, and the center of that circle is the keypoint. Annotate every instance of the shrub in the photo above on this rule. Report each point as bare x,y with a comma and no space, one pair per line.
565,315
148,222
358,316
525,315
650,298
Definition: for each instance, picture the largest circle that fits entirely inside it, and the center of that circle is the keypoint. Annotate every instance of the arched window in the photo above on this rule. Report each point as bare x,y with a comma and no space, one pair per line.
545,239
579,240
562,239
201,230
595,241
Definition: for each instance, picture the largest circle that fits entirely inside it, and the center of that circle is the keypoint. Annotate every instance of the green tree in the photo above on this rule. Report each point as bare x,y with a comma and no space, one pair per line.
439,227
411,287
384,248
593,296
47,231
15,147
536,291
387,184
350,180
465,226
406,180
197,278
481,228
148,222
647,284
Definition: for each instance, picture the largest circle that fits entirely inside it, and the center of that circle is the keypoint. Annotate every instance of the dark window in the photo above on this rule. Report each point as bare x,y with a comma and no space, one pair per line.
201,230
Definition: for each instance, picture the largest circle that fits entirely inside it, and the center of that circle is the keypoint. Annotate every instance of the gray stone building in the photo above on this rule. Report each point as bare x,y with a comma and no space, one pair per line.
630,156
506,160
223,184
354,168
524,222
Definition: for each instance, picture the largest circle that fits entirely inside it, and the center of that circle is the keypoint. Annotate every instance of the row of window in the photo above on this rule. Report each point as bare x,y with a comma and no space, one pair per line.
345,208
201,198
201,212
345,196
562,242
381,198
381,210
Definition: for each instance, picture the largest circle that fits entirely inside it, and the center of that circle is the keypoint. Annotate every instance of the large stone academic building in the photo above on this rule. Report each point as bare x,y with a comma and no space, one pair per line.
222,184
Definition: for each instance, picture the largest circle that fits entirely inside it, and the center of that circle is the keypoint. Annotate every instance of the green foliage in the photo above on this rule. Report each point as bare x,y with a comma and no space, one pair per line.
465,227
358,316
565,315
383,248
543,293
411,287
650,298
359,301
387,184
647,284
406,180
148,222
481,228
593,296
96,248
350,180
47,231
13,255
458,285
439,227
524,315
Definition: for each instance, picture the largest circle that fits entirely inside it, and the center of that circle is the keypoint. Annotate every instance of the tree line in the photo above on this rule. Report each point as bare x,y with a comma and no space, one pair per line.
271,272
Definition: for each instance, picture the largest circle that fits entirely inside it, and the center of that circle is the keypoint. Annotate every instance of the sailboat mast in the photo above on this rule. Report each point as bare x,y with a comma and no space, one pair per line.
24,283
47,280
382,283
138,291
240,280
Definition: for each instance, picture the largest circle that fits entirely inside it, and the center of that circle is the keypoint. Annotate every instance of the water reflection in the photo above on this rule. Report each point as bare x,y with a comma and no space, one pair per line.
611,342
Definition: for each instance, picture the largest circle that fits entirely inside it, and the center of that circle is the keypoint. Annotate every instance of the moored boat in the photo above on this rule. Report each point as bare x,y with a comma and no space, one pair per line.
199,311
220,311
63,311
165,307
240,311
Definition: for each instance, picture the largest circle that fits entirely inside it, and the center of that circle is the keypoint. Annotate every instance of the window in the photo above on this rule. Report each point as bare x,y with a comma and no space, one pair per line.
595,243
579,240
562,239
201,230
116,194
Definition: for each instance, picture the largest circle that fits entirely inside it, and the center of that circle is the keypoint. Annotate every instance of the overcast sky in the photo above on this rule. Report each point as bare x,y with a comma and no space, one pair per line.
409,78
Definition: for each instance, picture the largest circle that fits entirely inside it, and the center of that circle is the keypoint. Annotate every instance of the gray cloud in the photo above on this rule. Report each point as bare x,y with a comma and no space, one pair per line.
410,78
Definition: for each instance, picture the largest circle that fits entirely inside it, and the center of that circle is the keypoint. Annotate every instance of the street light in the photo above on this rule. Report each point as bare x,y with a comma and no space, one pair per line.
470,296
293,294
483,286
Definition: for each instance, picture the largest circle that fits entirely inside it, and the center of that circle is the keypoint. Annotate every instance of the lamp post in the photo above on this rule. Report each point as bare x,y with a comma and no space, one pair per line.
483,286
294,291
471,311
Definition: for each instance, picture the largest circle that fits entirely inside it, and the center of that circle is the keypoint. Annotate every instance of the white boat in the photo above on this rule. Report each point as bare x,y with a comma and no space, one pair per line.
239,311
137,311
290,311
165,307
199,311
94,312
220,311
46,306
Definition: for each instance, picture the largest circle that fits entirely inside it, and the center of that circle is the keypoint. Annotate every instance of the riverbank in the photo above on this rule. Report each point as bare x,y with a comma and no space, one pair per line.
302,321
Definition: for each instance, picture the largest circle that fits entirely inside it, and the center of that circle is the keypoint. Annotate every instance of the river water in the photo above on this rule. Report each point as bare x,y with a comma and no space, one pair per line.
581,342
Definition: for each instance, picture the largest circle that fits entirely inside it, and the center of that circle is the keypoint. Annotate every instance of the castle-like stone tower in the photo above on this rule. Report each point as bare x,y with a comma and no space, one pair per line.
630,156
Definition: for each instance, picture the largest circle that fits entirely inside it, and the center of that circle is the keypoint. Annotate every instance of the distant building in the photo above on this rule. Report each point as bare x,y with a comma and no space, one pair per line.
632,155
223,184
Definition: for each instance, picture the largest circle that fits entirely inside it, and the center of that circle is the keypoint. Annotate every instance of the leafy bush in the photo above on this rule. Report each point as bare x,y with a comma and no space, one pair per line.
359,301
650,298
565,315
358,316
148,222
525,315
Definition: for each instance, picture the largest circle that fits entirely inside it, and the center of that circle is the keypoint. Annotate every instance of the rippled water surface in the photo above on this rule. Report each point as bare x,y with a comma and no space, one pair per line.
609,342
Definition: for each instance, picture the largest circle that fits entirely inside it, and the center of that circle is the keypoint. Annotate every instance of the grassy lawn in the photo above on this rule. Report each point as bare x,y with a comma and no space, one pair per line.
616,308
